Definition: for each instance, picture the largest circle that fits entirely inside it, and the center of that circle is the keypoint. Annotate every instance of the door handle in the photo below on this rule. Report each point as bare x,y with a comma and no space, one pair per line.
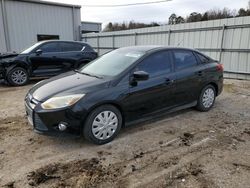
168,81
199,73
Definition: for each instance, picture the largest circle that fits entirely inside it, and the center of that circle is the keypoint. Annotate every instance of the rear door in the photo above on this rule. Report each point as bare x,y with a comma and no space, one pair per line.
155,93
74,55
189,75
71,53
46,63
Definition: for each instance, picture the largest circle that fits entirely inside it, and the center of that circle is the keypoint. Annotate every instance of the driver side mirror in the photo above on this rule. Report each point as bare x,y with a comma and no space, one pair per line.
140,76
39,52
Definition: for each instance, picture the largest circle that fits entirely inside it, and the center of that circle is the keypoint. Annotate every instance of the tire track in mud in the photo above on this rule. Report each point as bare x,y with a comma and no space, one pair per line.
169,151
148,161
168,157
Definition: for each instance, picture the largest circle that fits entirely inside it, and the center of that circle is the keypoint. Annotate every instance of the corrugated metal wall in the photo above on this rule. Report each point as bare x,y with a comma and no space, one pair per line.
2,37
27,19
227,40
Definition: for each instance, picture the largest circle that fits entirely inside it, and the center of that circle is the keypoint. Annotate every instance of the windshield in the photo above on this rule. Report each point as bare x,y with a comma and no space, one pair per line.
112,63
30,49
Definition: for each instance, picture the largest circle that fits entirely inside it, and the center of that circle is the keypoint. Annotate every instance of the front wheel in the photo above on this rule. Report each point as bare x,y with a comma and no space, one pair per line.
18,76
206,99
103,124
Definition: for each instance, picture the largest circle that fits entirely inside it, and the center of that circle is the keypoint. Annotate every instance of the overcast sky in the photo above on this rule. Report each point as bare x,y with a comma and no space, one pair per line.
148,13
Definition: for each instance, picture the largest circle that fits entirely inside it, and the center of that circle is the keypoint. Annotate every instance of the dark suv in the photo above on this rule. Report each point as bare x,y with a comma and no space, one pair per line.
43,59
121,87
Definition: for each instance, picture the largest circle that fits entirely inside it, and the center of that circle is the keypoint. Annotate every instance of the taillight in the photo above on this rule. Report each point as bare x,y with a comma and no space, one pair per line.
219,67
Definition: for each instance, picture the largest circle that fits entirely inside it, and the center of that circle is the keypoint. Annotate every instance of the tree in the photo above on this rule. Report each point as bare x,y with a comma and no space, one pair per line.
194,17
109,27
172,19
204,16
242,12
179,20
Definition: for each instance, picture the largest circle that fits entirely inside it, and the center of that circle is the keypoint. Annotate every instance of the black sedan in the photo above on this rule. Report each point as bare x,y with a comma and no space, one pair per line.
121,87
47,58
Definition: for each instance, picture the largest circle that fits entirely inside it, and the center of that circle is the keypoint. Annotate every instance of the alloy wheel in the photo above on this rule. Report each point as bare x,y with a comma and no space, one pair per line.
19,77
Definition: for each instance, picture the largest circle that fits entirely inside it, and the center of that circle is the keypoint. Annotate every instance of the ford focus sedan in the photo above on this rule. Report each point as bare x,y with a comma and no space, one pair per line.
121,87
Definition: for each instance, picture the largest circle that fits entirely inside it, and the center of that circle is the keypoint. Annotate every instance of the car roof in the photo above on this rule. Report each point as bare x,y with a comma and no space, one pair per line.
46,41
149,48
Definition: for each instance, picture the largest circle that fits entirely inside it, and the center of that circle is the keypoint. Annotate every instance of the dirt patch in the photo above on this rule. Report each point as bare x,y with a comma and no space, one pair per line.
186,139
80,173
182,149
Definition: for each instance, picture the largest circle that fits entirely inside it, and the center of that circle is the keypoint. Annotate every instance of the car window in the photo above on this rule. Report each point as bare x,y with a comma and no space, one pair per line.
184,59
156,64
202,58
50,47
71,47
112,63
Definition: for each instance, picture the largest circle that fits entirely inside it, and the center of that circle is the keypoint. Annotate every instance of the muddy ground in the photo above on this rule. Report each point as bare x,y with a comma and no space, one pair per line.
182,149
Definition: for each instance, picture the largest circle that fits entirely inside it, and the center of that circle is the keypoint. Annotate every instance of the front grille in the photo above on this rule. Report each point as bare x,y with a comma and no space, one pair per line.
33,118
31,101
38,124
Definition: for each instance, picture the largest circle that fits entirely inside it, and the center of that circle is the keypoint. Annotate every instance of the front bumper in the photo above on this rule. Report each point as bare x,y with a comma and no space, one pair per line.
47,121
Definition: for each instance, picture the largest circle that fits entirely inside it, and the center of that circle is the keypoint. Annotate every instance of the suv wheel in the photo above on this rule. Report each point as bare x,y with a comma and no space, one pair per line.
206,98
17,76
103,124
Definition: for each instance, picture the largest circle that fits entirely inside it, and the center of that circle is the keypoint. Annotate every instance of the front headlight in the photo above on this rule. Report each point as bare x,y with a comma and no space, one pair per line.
62,101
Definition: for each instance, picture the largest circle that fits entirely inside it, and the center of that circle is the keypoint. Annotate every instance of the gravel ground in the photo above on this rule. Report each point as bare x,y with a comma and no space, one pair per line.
182,149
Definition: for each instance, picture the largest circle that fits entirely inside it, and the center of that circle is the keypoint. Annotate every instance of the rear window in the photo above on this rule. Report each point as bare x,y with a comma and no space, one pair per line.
50,47
184,59
71,47
202,58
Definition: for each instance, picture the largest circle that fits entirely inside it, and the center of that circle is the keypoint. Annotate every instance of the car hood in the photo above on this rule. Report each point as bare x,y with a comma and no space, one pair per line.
7,57
66,84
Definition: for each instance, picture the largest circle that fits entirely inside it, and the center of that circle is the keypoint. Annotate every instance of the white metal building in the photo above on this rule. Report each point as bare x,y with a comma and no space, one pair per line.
25,22
91,27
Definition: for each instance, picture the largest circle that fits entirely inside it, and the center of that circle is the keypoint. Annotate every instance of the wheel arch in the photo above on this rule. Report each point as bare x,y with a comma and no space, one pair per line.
215,87
19,64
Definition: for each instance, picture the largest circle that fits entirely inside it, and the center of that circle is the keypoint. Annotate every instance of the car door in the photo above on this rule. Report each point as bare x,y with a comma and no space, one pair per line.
188,76
71,53
155,93
45,61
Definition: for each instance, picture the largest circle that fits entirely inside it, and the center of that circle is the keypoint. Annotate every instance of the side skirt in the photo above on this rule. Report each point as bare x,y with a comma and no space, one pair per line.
160,113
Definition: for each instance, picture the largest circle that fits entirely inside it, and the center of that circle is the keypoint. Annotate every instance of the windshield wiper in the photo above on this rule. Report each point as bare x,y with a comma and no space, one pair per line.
76,70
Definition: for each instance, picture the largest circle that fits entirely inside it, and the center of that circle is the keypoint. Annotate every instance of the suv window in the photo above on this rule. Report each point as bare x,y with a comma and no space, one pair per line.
156,64
50,47
184,59
202,58
71,47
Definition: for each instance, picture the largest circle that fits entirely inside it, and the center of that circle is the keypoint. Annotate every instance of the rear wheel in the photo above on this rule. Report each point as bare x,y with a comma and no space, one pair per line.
206,99
18,76
103,124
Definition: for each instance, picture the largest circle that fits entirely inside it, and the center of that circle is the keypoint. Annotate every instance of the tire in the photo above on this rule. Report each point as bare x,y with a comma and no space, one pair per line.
94,129
18,76
206,99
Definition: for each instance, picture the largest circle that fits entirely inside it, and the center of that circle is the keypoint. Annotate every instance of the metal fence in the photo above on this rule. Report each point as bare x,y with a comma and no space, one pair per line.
226,40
